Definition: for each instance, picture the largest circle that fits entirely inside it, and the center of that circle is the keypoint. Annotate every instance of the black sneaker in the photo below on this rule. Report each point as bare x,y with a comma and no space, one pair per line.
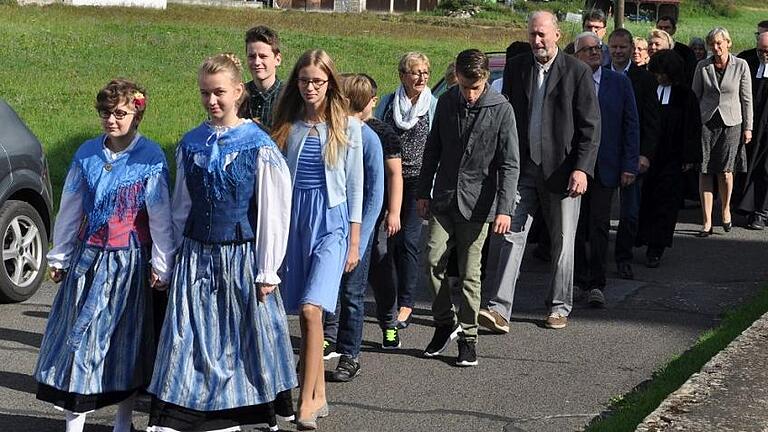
329,350
347,369
390,339
467,354
442,337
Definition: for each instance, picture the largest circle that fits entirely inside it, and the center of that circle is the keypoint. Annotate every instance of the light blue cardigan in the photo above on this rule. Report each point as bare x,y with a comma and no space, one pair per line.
344,181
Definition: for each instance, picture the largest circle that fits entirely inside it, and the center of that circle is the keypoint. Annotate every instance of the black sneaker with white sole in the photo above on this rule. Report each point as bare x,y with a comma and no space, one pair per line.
441,339
467,353
329,350
347,369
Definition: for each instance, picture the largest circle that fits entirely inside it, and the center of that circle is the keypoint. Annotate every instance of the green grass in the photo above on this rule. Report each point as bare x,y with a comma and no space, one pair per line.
56,58
626,412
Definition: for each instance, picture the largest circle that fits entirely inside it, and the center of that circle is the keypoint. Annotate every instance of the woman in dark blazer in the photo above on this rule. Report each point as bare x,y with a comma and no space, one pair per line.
724,89
677,150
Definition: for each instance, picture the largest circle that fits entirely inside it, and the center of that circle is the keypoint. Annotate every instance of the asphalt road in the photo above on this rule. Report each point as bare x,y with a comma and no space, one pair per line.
532,379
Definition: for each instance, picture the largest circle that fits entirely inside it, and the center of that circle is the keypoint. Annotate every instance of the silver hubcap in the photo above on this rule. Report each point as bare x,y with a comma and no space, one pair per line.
22,251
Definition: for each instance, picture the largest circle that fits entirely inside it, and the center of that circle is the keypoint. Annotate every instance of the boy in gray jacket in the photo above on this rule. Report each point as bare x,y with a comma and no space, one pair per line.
468,180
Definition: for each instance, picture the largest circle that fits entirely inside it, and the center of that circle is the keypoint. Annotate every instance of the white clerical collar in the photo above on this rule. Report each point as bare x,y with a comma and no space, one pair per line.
762,71
663,93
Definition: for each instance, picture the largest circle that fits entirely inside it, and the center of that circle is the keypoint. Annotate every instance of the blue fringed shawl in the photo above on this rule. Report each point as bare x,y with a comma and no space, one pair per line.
214,148
121,189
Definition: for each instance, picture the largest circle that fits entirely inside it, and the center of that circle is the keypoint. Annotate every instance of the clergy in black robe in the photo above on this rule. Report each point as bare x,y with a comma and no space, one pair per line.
678,149
753,197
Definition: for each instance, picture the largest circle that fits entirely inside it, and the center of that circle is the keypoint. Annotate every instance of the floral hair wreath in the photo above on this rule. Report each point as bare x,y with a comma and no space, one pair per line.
139,100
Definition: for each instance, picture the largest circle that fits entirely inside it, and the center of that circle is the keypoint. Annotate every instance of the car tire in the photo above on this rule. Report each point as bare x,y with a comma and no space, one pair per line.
24,246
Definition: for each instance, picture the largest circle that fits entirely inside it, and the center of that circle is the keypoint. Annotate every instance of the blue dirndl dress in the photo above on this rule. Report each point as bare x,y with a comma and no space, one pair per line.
225,358
98,347
317,243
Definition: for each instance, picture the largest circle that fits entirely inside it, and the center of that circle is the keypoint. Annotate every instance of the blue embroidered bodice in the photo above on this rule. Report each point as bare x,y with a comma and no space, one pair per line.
223,199
115,194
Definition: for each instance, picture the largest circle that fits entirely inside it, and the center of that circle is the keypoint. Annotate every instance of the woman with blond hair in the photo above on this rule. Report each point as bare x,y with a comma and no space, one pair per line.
724,88
640,55
659,40
410,111
324,151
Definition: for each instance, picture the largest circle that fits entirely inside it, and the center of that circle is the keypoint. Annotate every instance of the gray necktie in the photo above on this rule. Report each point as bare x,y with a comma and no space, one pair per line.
536,116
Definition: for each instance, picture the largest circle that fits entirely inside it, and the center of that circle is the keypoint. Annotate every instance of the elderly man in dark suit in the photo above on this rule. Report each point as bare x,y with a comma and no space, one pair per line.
616,166
753,199
558,125
621,46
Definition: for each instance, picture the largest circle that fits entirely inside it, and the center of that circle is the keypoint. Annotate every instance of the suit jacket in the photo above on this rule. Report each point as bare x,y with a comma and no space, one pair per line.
620,133
478,169
570,116
644,85
732,97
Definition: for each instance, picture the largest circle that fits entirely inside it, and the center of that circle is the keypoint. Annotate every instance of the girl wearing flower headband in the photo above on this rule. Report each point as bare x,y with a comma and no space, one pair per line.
225,358
112,244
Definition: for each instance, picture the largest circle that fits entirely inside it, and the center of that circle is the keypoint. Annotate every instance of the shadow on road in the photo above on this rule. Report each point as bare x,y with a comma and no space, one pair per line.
19,382
21,336
10,422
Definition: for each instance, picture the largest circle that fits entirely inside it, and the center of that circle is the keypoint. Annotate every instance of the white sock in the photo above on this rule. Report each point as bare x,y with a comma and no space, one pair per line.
75,421
124,416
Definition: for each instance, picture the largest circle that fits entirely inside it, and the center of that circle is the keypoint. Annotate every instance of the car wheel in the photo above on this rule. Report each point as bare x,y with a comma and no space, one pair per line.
24,247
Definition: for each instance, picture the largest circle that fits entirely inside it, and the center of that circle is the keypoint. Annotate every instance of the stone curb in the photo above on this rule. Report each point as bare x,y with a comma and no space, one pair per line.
702,385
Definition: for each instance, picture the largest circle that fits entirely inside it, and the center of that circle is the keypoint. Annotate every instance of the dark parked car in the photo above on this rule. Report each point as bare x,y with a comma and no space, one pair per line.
25,208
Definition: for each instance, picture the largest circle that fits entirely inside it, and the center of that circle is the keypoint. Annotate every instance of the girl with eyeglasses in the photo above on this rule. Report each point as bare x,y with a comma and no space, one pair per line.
224,358
112,245
324,150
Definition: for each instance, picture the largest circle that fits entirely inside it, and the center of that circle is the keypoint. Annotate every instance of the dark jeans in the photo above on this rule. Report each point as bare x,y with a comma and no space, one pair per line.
629,198
345,327
594,224
395,272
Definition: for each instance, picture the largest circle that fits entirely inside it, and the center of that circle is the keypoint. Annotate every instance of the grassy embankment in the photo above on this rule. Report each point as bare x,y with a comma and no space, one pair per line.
627,411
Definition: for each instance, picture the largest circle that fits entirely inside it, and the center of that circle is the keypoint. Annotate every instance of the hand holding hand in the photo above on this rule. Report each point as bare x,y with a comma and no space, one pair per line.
57,275
155,282
264,291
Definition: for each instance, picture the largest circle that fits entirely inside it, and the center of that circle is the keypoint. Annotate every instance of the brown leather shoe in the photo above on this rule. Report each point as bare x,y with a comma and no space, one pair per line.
556,321
493,321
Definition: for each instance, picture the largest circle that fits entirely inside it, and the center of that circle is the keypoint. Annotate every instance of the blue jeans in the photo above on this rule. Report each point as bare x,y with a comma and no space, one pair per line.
345,327
396,272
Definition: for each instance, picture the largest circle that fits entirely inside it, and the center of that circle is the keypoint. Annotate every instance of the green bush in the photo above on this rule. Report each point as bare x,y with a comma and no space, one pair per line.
724,8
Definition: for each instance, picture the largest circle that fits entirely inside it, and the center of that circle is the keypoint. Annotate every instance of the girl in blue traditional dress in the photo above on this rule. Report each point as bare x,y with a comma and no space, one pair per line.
325,156
112,242
225,359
